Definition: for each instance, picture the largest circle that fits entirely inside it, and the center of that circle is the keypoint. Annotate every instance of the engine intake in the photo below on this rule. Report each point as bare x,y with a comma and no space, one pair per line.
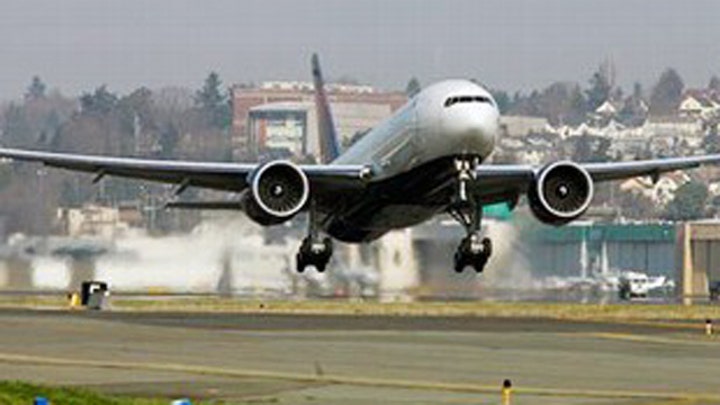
278,191
561,193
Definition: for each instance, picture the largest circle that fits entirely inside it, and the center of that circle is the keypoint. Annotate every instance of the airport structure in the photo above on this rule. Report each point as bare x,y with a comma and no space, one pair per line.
406,264
280,119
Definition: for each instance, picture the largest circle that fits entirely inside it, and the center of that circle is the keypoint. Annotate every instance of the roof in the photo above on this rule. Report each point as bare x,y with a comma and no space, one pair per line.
283,106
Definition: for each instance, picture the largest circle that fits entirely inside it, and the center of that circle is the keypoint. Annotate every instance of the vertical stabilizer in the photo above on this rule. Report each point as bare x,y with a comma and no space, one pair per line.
329,146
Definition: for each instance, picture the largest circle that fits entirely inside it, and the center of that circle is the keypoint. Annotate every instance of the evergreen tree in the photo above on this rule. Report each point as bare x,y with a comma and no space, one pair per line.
213,102
714,83
36,90
667,93
599,91
502,99
689,202
100,102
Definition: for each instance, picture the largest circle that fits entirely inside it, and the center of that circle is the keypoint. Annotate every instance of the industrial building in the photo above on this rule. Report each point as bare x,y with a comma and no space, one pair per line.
279,118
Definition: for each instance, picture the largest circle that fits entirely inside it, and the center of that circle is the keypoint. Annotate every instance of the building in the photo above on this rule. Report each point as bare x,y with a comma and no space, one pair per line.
280,117
699,104
520,125
92,220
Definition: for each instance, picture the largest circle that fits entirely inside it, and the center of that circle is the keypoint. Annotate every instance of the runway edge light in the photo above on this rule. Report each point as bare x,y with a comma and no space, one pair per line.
506,392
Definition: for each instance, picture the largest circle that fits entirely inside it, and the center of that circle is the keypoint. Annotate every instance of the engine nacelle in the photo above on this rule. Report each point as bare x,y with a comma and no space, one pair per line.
561,193
278,191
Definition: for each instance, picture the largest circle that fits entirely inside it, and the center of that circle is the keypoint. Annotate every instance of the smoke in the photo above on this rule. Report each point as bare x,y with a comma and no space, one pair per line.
509,267
194,262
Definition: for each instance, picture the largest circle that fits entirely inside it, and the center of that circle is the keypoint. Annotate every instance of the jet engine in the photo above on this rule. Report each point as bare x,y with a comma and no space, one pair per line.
561,192
278,191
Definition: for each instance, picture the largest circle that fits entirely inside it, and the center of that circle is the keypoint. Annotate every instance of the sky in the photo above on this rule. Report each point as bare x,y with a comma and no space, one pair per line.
77,45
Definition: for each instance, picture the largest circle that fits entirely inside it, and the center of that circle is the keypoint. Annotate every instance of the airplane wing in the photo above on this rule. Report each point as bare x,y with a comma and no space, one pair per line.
212,175
510,180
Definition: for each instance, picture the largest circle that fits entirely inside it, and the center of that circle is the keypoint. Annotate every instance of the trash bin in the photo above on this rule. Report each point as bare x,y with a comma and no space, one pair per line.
93,294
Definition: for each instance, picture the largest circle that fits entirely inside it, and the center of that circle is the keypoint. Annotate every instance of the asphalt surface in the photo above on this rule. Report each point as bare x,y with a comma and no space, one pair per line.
325,359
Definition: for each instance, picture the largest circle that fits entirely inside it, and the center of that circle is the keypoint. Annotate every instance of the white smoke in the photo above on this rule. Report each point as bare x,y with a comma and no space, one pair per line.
509,267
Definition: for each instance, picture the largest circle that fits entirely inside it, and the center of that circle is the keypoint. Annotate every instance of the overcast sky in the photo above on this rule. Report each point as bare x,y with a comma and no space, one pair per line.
510,44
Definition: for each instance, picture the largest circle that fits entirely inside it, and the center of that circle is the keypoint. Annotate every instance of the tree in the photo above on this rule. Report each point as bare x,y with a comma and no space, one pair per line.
714,83
689,202
413,87
169,138
16,130
213,102
36,90
667,93
638,92
100,102
590,148
634,205
502,99
599,91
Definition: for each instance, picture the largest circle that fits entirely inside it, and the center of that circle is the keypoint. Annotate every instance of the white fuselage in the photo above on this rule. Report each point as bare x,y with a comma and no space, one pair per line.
412,156
450,118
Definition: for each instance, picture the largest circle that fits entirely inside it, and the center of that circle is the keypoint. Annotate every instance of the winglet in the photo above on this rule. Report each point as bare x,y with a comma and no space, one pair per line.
329,146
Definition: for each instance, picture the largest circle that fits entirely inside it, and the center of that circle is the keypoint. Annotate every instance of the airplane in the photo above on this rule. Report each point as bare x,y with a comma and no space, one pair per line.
429,157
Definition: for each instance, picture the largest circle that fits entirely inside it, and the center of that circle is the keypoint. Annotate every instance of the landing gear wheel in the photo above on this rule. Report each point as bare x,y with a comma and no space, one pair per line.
316,254
300,263
459,262
487,247
470,253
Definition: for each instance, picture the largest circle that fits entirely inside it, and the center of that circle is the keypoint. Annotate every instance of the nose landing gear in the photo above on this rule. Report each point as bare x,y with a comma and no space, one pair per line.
474,250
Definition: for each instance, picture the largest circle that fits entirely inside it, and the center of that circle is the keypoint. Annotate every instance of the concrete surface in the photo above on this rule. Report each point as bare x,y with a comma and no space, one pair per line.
324,359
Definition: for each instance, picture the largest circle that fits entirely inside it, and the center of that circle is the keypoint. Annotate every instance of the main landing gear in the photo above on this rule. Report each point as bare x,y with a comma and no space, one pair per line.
314,251
474,250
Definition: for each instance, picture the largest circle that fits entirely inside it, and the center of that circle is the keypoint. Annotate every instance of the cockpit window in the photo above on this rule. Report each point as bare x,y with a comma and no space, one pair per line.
467,99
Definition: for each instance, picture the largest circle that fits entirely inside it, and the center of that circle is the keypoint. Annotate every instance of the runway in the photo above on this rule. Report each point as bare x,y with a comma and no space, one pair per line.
334,359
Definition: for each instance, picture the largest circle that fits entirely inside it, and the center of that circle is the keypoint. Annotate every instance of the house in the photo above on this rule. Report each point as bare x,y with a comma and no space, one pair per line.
660,192
699,103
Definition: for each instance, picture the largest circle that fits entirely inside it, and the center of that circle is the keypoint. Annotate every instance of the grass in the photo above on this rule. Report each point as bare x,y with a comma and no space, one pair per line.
21,393
567,311
549,310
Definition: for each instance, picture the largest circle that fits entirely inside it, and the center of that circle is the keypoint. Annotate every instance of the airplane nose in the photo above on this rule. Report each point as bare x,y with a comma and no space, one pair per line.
472,127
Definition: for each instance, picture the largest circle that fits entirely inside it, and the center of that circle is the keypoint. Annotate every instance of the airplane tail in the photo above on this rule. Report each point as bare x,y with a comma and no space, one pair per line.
329,146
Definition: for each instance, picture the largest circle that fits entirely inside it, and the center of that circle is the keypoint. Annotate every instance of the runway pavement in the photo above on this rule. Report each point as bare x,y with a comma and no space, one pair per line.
325,359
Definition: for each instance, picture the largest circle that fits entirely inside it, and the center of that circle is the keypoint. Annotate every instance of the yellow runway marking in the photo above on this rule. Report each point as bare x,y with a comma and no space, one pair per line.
356,381
649,339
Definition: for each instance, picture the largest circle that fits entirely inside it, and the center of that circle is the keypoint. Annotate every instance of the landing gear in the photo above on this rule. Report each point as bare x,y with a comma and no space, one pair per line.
474,250
314,251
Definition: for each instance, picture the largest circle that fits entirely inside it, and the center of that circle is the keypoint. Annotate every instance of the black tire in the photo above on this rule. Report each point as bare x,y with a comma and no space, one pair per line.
328,246
459,262
487,247
480,263
299,263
